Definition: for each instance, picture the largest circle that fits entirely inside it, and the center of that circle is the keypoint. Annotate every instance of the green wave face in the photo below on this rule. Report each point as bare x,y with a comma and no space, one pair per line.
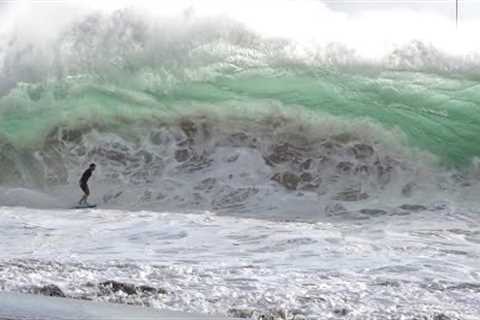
128,71
436,113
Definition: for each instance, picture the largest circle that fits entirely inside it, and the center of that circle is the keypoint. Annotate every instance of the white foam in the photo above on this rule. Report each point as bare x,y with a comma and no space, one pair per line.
215,264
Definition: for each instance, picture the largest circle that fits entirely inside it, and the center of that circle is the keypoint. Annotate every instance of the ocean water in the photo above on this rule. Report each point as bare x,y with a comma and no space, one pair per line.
321,170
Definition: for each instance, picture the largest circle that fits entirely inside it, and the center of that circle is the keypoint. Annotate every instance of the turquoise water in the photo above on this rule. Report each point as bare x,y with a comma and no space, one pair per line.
437,113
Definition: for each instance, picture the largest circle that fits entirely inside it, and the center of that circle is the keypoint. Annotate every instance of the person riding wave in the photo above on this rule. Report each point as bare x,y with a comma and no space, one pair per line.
83,184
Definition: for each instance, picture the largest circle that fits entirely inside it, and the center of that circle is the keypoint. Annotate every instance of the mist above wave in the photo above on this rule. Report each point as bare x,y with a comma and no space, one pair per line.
187,42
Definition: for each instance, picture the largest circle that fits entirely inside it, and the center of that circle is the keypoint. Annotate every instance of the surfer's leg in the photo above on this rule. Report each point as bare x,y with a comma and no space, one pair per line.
86,193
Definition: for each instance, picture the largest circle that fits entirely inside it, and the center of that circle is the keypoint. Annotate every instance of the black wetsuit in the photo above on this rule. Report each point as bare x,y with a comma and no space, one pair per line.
83,180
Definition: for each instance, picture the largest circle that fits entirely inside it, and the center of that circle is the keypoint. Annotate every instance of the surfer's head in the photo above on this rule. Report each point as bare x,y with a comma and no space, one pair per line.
92,166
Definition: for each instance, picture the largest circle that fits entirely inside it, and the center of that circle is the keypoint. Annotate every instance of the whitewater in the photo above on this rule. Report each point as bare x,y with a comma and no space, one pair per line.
287,162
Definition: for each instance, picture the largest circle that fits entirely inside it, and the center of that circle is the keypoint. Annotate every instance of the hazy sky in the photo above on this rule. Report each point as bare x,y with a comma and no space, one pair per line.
468,9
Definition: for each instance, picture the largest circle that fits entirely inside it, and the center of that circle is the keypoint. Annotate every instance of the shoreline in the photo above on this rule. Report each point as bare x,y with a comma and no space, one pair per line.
16,306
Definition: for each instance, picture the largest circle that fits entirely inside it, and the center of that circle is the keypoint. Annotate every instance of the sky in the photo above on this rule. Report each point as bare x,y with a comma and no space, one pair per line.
469,9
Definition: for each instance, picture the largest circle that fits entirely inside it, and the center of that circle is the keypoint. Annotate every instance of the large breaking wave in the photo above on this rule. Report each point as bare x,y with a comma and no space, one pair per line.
204,112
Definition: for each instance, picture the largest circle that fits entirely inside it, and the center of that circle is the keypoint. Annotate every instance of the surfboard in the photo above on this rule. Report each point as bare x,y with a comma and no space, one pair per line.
87,206
18,306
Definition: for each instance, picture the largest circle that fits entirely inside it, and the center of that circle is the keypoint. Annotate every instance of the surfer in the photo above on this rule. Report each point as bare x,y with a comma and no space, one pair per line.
83,184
